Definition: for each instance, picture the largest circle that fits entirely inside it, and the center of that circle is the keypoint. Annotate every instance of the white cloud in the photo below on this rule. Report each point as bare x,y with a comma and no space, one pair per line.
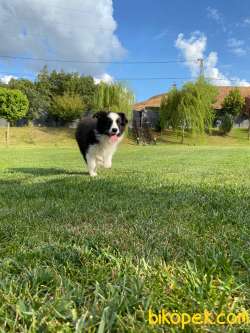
236,46
193,49
211,71
243,23
239,51
161,35
104,78
6,78
240,83
78,30
246,20
233,42
216,16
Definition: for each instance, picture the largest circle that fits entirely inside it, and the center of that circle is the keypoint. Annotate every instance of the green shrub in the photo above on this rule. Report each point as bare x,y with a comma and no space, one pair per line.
14,104
67,107
226,123
233,103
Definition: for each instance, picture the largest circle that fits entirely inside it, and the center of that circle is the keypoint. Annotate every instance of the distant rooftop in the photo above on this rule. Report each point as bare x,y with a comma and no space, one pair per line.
155,101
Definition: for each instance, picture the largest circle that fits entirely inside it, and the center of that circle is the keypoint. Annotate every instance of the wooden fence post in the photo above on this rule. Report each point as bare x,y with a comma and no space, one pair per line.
7,134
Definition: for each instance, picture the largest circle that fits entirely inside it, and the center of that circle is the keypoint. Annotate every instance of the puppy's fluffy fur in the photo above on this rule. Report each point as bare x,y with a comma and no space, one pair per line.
98,138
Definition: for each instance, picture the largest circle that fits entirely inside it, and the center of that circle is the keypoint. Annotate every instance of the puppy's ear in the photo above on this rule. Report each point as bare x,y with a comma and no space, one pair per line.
123,117
100,114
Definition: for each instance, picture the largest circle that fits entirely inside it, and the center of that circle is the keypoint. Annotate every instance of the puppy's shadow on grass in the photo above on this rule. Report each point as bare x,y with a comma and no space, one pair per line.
47,171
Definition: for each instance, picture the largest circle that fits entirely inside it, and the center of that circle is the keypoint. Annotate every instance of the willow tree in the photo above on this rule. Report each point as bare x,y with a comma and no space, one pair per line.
198,99
114,97
169,114
189,108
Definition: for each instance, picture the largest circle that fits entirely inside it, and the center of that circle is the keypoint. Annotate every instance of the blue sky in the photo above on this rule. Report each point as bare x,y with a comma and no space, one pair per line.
118,30
149,29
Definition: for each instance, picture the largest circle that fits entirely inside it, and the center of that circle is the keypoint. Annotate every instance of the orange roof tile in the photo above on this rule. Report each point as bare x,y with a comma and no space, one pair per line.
155,101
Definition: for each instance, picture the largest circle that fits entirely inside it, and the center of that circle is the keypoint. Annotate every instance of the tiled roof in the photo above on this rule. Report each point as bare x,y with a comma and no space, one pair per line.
155,101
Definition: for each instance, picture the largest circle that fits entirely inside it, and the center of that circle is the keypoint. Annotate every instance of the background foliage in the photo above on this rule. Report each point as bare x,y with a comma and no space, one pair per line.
13,104
67,107
233,103
61,97
114,97
189,108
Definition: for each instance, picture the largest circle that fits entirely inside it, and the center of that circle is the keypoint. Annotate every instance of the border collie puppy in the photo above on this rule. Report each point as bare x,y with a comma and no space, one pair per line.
98,138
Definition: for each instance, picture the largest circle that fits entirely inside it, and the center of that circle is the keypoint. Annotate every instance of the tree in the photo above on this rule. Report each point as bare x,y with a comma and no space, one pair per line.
14,105
45,92
67,107
169,115
189,108
198,99
83,86
226,123
55,83
207,94
233,103
42,81
38,103
114,97
58,82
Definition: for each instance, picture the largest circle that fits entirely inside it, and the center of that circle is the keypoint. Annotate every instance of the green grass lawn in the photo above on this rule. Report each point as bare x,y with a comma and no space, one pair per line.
60,136
168,227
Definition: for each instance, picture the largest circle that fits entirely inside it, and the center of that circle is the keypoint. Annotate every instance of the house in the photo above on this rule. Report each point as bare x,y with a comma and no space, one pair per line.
147,112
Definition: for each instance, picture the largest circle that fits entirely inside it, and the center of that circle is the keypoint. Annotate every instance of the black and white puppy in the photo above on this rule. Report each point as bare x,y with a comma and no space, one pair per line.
98,138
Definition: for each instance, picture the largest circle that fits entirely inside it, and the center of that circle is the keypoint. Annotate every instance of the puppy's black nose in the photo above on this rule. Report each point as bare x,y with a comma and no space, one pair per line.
114,130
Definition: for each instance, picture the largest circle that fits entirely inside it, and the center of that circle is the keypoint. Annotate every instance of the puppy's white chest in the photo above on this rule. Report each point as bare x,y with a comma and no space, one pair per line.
106,145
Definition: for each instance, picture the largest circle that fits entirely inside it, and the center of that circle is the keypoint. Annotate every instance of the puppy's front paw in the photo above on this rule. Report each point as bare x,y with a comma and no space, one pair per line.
107,164
93,174
100,161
